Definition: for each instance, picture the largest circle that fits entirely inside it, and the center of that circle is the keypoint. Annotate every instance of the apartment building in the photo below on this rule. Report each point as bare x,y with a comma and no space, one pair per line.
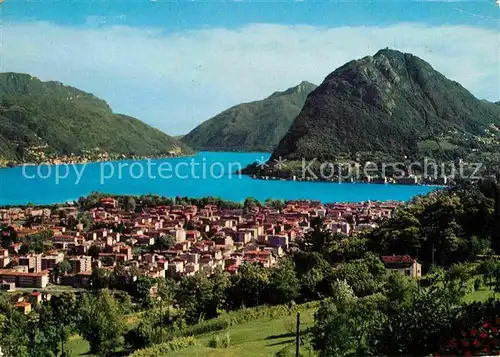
25,280
49,261
81,264
32,261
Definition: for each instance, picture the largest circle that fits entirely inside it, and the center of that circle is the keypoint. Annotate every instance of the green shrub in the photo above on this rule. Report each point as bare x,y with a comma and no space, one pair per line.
477,283
162,349
214,341
226,340
288,351
220,341
306,350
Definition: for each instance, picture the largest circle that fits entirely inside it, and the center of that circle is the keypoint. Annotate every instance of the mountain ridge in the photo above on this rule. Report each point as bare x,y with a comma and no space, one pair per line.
251,126
65,120
389,103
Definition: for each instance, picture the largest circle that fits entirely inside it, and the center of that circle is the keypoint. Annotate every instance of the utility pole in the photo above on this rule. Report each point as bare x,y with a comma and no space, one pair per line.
297,337
432,254
161,322
62,340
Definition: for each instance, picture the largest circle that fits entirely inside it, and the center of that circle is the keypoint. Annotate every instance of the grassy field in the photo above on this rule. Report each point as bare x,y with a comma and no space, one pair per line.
50,289
253,339
480,295
78,346
263,337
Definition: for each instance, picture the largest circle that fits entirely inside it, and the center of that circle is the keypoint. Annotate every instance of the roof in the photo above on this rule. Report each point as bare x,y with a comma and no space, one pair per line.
398,259
12,272
107,199
232,267
23,304
257,252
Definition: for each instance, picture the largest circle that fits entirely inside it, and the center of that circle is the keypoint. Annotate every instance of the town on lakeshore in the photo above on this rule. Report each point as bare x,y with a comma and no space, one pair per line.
164,240
249,178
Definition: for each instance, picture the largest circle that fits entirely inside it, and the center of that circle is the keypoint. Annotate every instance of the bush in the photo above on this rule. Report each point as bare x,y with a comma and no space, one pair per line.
477,283
288,351
214,341
164,348
226,340
306,350
220,341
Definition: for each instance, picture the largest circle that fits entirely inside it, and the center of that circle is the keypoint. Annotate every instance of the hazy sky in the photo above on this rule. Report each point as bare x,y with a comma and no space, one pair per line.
176,64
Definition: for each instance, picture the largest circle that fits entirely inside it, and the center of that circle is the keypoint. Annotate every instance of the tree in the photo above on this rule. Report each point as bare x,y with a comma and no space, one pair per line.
250,285
190,225
459,274
85,219
64,315
348,248
284,286
318,239
34,335
497,280
35,243
14,339
420,323
488,268
250,203
107,261
401,234
101,323
477,283
94,251
8,235
399,289
446,227
142,291
164,242
221,284
195,295
276,204
364,275
61,269
342,292
478,246
166,290
99,279
314,272
121,278
347,326
155,328
130,204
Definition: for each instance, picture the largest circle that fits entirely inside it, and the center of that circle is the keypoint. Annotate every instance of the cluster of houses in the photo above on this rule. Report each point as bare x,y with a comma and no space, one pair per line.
201,239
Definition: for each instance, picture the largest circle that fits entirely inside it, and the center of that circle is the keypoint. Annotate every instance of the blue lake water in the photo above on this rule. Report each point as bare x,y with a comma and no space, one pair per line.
206,174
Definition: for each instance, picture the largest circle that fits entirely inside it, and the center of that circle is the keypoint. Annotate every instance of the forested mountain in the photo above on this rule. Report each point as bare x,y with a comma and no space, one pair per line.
255,126
64,120
392,104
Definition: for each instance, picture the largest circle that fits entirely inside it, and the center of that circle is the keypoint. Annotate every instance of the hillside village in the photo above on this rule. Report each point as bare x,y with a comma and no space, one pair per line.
197,239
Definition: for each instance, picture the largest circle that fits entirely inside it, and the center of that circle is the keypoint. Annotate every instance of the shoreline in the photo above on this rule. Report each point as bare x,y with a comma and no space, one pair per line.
83,162
114,195
388,181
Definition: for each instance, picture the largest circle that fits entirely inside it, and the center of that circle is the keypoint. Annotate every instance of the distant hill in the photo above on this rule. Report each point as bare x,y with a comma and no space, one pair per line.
393,104
67,120
255,126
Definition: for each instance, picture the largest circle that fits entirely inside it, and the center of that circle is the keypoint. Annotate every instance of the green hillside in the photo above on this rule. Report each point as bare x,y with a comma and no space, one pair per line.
254,339
260,336
255,126
393,104
64,120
